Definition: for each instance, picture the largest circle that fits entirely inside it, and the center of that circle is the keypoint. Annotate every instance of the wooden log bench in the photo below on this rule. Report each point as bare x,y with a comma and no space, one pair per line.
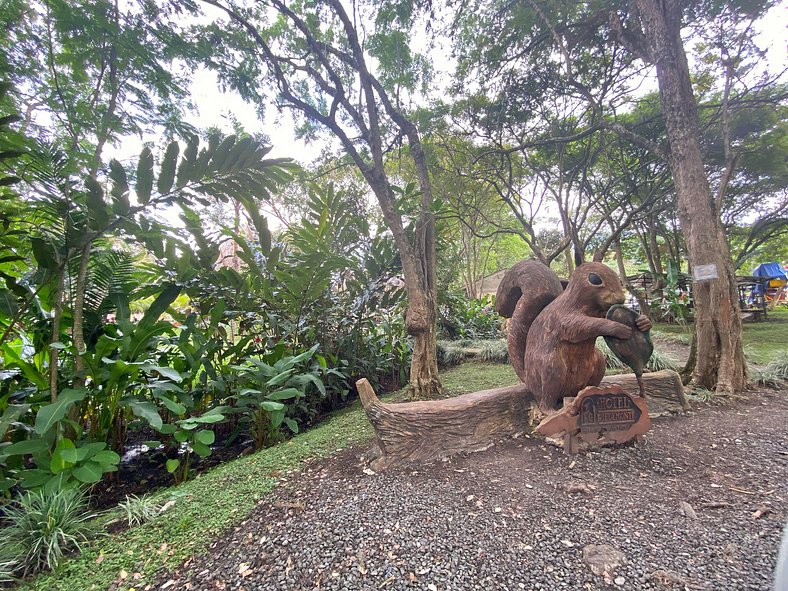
427,430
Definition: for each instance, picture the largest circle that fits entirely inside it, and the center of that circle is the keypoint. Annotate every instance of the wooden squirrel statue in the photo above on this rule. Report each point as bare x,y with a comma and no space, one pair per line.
552,332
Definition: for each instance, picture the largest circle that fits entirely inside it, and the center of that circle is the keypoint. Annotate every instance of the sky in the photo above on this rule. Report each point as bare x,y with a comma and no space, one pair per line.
214,107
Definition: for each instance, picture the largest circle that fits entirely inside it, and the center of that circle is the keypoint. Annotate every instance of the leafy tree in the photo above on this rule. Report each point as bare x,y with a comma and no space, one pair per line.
314,58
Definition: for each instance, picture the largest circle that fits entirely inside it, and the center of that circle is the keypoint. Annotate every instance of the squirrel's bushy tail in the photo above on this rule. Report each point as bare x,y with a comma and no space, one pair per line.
523,293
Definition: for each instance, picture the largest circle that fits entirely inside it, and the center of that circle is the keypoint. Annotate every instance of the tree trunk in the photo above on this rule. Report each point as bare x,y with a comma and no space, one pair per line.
57,316
78,316
720,363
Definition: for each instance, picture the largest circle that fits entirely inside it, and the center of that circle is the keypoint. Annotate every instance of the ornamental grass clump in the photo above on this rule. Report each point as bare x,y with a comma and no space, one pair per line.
41,527
774,374
138,510
494,350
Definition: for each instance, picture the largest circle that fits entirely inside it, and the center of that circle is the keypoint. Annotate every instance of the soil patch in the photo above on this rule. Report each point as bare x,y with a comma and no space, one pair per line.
699,504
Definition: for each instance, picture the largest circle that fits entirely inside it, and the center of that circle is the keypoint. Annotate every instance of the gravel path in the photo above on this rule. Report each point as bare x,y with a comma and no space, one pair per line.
700,504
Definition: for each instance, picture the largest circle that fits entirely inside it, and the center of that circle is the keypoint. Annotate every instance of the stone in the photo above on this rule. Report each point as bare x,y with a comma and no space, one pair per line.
603,558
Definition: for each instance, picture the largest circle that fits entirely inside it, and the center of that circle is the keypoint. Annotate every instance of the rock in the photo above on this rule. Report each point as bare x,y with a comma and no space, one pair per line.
603,558
686,510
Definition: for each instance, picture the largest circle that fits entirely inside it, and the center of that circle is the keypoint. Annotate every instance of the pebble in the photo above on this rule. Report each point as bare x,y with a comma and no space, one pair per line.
401,531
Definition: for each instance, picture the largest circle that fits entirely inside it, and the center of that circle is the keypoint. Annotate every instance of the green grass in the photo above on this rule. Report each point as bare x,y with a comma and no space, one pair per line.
204,507
222,497
767,340
477,375
763,341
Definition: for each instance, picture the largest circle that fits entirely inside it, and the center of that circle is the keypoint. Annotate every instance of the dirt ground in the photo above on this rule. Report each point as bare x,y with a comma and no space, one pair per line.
699,504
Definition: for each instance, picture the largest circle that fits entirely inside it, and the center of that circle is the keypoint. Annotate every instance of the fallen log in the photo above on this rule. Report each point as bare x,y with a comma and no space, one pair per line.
420,431
664,391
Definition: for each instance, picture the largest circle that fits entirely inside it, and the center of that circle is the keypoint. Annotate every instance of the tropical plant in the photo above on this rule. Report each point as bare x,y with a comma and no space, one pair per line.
272,380
138,510
40,528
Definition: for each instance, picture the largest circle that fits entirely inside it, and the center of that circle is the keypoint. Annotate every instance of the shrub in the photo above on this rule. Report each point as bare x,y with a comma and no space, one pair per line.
138,510
660,361
451,353
657,362
40,528
467,318
494,350
774,374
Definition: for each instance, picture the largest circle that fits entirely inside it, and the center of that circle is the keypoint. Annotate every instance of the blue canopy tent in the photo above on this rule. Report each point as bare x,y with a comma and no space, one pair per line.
773,276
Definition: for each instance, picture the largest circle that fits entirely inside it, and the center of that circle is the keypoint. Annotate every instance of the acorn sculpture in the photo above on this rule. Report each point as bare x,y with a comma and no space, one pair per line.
637,349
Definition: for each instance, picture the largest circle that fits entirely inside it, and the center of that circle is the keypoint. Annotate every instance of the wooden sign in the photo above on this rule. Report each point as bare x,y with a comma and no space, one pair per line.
607,412
599,414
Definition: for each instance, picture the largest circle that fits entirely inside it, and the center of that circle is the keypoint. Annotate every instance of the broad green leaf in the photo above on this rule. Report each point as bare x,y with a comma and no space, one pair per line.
59,462
167,172
159,306
205,436
29,370
50,414
245,391
280,378
292,425
107,457
10,415
305,355
201,449
147,411
175,408
153,444
166,372
144,184
277,418
208,418
29,446
80,454
271,406
89,473
284,394
59,482
172,465
35,478
181,435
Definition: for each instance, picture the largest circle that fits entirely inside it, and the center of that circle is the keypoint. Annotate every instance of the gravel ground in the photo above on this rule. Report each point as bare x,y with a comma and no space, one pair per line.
699,504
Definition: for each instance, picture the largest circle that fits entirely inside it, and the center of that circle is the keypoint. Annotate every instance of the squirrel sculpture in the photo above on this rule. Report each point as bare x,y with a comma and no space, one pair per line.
553,331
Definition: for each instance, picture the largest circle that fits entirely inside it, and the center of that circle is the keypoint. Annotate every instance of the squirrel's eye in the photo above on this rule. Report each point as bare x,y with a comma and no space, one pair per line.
594,279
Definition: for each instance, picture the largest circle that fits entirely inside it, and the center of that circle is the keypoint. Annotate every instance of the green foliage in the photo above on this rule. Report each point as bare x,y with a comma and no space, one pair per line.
658,361
139,510
494,351
275,386
462,317
40,528
774,374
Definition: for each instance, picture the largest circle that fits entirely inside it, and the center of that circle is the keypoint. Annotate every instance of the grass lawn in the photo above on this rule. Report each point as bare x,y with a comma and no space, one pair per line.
763,341
222,497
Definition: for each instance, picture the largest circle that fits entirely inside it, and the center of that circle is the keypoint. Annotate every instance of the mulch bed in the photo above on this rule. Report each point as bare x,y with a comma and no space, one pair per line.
699,504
